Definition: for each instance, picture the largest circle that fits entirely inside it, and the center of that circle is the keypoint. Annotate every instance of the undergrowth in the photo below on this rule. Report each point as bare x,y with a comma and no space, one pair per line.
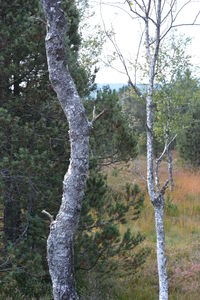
182,219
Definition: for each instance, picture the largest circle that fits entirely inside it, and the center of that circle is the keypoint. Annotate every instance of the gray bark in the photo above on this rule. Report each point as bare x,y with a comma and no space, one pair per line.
156,197
156,194
161,257
153,15
60,244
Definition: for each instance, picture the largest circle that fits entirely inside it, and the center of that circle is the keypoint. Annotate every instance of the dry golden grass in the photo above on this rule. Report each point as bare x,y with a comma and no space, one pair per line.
182,225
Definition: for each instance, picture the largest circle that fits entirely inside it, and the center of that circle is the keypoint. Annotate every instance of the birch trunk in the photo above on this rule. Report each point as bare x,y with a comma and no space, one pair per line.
161,257
155,194
60,244
157,200
158,21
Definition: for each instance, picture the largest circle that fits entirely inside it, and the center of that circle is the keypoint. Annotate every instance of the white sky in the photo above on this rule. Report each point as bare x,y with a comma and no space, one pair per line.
128,32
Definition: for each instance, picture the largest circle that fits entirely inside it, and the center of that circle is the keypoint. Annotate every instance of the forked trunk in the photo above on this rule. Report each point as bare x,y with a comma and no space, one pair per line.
155,194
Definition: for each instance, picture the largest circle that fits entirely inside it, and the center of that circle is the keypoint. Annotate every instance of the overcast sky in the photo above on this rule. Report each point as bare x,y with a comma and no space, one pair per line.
114,15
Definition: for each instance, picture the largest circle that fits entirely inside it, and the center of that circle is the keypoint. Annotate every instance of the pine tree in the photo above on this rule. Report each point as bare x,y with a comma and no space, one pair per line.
35,151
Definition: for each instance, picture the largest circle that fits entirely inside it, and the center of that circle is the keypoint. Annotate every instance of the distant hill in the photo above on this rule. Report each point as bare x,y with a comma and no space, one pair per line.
113,86
118,86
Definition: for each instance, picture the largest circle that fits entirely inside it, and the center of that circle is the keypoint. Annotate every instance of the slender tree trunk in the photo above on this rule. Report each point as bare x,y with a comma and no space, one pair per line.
60,244
161,257
155,194
157,200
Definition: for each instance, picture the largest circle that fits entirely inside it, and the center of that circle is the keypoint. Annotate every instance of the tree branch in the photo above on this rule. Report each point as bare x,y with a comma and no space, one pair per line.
51,218
157,163
96,117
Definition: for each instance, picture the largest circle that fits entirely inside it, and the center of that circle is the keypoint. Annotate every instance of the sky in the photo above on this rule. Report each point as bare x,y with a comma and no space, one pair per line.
115,16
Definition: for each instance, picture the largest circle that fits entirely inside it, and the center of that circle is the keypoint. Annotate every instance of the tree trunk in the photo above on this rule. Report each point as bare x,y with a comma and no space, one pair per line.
60,244
156,197
161,257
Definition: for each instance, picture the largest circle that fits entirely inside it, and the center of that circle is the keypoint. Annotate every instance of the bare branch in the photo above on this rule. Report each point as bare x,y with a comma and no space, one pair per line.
158,160
137,56
172,4
118,7
120,56
173,19
51,218
134,11
146,11
194,22
163,189
96,117
180,9
139,171
5,262
112,67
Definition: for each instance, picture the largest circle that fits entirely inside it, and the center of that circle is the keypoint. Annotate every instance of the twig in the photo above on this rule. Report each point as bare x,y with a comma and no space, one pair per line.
158,160
164,187
48,215
139,171
96,117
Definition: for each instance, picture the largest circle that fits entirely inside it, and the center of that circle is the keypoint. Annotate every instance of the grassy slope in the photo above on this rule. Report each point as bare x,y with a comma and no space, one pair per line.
182,225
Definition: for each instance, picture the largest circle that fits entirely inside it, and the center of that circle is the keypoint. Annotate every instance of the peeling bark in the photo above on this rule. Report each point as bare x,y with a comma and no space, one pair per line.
60,244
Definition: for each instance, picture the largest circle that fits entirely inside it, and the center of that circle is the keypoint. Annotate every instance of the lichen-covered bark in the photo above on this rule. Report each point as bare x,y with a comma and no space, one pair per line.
161,257
61,238
156,196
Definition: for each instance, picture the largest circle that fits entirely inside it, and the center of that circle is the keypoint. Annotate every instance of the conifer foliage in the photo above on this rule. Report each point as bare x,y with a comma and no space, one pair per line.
35,154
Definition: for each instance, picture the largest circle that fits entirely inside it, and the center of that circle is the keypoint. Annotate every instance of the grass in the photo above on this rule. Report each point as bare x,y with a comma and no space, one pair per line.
182,226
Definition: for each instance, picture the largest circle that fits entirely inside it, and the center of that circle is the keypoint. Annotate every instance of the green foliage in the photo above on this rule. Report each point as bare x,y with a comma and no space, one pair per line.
102,212
34,142
24,273
113,128
35,154
173,64
171,209
134,107
188,139
189,143
137,199
99,246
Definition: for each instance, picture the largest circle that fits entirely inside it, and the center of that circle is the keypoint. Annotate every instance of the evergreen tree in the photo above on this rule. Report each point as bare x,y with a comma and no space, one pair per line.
35,151
188,141
27,95
100,248
34,136
113,128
